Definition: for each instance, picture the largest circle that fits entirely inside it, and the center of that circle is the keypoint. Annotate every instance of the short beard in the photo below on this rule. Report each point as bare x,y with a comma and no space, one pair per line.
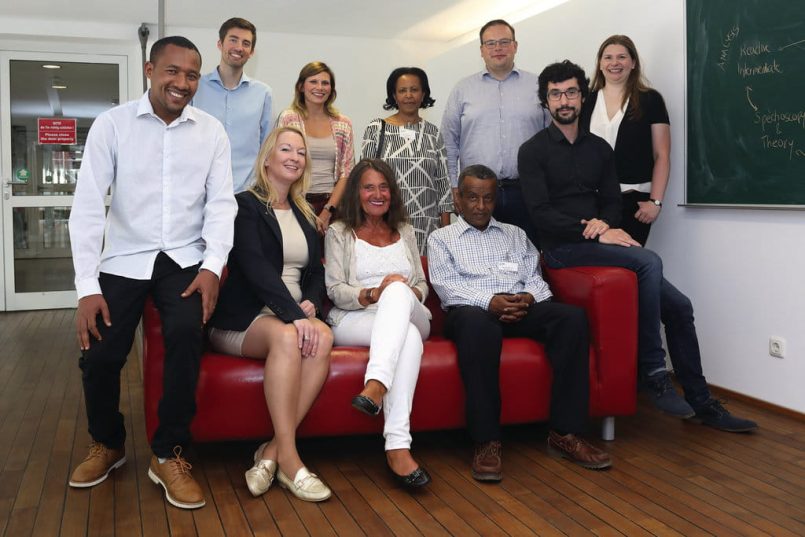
565,120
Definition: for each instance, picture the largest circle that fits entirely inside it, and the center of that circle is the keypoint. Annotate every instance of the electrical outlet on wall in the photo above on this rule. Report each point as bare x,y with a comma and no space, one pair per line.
777,347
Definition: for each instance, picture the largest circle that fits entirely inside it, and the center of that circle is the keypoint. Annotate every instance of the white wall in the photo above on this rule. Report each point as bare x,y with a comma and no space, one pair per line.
738,266
361,66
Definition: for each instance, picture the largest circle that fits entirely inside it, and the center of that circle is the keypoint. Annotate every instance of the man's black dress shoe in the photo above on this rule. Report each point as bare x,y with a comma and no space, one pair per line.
416,479
365,405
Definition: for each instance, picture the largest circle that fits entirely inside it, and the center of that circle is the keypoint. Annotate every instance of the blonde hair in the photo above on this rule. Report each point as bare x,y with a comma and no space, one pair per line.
265,191
312,69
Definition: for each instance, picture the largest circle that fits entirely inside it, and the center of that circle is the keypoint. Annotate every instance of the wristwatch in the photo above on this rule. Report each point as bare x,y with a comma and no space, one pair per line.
330,208
658,203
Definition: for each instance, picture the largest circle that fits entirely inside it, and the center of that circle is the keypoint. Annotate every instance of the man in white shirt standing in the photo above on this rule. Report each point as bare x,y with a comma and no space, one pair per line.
243,105
168,233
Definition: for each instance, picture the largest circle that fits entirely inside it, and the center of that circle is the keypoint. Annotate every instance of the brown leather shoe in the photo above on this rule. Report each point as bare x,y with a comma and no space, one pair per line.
578,450
96,466
181,489
486,463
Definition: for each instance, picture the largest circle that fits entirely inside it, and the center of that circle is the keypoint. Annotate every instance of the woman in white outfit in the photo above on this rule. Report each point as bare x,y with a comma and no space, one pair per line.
375,280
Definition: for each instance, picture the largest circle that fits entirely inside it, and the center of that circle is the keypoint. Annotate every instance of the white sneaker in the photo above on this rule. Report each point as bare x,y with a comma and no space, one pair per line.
305,486
260,476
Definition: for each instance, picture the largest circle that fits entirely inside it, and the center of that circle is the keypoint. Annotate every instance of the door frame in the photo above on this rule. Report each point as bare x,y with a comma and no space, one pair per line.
9,298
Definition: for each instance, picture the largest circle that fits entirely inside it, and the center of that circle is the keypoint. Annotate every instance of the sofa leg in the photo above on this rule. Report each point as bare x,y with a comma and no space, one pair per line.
608,428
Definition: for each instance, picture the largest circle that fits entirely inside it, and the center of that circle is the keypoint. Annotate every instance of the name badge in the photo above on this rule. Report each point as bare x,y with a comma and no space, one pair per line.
407,134
508,266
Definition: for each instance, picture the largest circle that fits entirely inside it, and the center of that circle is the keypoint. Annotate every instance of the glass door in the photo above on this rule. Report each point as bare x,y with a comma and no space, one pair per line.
49,102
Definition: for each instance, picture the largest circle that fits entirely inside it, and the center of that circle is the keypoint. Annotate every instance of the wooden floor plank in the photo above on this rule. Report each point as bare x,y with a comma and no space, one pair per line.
225,510
51,508
255,510
757,496
669,477
588,482
512,503
128,518
374,496
481,495
405,500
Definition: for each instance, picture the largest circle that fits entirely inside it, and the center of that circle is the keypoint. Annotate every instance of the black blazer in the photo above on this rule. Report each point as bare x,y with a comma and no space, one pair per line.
255,269
634,154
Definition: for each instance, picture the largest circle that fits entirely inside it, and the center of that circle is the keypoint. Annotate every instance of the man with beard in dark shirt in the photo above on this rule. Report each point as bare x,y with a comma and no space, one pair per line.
572,193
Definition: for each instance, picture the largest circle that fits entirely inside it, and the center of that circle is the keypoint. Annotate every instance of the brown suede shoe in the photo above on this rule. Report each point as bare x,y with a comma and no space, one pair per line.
97,465
486,463
577,450
181,489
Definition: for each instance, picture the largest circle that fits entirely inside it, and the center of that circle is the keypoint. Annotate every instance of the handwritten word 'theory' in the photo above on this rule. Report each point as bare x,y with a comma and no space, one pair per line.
767,142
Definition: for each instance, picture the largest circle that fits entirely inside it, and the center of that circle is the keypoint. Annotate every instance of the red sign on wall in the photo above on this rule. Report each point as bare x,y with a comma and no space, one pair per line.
57,130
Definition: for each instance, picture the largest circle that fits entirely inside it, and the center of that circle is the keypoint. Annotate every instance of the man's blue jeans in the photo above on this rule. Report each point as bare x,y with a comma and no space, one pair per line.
658,301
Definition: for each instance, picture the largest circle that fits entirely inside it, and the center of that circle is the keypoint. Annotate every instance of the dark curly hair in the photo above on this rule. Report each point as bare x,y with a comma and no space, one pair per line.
391,87
559,72
349,208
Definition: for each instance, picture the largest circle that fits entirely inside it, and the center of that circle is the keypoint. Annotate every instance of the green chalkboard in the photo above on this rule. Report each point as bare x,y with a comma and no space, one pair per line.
746,102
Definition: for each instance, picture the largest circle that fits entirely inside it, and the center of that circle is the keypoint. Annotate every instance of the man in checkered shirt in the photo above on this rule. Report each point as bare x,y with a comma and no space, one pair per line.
487,276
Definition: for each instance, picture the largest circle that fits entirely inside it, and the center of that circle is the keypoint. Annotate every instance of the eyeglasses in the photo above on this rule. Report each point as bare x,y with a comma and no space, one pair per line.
572,94
503,43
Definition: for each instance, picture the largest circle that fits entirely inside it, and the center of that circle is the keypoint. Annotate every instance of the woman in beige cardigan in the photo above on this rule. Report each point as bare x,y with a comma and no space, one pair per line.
375,279
329,137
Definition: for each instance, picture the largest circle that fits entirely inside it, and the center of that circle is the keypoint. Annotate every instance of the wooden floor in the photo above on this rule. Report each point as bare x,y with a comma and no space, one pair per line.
669,477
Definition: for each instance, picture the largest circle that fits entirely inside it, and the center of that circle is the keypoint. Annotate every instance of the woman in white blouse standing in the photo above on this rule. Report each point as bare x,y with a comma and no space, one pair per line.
632,117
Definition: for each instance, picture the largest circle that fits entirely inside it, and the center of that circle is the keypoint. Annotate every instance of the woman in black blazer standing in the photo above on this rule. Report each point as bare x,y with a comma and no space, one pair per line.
269,302
623,110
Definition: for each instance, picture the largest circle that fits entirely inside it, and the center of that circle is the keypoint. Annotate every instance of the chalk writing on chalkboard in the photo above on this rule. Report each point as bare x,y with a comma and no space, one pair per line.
746,102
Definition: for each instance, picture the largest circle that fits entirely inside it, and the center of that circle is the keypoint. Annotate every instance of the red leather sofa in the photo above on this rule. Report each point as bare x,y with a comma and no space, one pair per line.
230,403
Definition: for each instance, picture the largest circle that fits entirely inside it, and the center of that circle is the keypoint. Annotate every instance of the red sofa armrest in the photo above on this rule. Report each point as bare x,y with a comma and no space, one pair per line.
609,296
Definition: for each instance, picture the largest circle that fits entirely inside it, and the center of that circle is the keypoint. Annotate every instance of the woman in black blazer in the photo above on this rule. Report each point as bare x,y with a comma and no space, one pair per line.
269,304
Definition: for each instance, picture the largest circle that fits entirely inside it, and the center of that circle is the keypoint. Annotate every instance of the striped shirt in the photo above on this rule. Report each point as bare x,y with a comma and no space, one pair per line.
486,120
468,266
416,154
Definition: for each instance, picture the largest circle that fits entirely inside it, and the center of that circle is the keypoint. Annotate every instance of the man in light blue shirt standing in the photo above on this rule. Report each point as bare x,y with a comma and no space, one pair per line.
489,115
243,105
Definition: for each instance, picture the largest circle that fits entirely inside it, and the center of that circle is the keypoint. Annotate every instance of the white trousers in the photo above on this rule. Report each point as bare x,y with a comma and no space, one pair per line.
394,333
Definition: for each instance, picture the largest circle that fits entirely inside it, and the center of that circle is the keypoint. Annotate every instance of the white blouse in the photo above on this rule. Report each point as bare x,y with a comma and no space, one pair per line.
606,128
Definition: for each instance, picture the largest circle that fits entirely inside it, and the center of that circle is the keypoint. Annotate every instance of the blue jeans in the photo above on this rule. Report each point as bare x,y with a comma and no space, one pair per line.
658,301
